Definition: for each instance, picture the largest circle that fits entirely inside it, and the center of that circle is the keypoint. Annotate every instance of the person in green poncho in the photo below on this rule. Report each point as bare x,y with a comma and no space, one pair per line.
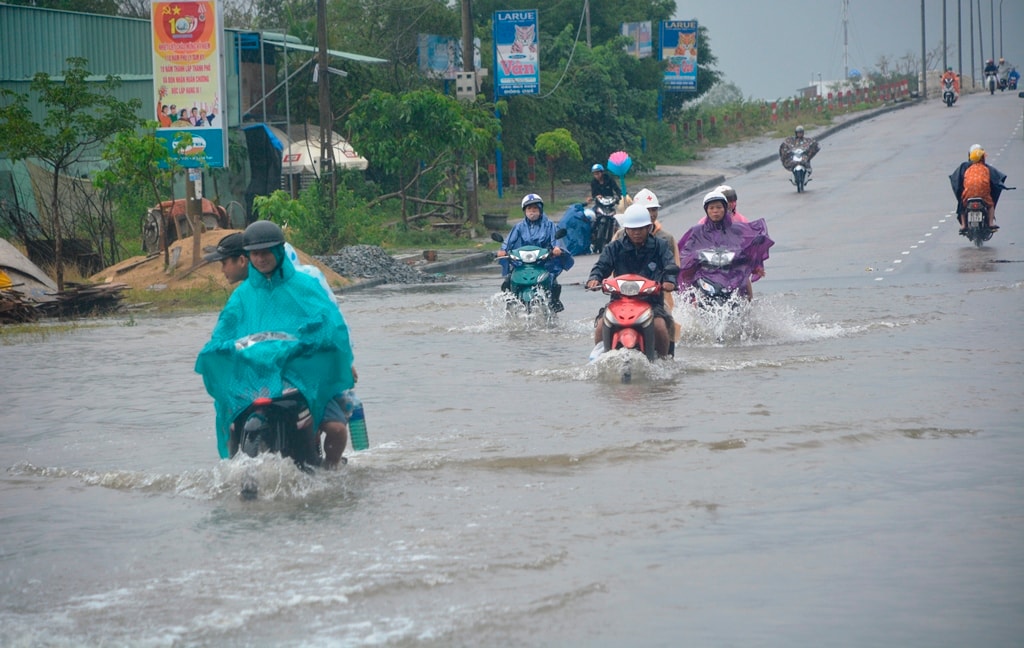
317,360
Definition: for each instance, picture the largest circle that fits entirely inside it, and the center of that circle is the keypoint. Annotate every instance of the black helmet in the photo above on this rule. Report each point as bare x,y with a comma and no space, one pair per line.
263,234
228,247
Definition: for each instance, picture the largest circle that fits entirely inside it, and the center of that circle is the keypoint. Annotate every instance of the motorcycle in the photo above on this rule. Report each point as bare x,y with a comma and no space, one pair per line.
604,223
714,292
263,397
978,230
991,83
530,282
629,316
801,172
948,94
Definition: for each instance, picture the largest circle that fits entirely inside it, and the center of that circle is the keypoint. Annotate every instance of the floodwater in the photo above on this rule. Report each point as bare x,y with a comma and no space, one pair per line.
840,465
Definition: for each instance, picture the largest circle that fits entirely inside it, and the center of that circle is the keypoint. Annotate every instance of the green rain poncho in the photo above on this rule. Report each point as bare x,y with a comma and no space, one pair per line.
314,355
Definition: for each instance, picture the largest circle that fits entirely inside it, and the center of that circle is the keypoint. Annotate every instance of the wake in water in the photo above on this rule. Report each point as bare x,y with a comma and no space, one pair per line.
738,322
276,478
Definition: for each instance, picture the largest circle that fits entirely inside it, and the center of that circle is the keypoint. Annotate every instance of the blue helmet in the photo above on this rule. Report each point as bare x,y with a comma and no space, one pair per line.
596,168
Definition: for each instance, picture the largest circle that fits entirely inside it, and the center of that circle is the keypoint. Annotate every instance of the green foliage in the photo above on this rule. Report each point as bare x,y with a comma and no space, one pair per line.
555,146
80,115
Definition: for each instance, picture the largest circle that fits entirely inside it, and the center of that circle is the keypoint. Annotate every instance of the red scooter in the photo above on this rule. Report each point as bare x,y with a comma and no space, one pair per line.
629,317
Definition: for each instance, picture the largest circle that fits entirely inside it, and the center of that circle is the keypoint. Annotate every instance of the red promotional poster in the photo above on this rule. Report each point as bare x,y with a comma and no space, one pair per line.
187,79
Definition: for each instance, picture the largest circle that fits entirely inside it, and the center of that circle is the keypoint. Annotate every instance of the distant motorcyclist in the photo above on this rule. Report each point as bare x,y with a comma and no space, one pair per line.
950,75
798,141
991,69
537,229
603,184
975,178
1013,78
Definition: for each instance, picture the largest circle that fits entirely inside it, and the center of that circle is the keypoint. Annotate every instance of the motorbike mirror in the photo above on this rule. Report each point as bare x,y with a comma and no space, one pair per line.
498,238
1021,95
561,232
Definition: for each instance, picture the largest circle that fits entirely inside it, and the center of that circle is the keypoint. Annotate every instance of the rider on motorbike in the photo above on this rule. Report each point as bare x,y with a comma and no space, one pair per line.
638,253
603,184
991,69
749,241
276,297
977,178
950,75
536,229
798,141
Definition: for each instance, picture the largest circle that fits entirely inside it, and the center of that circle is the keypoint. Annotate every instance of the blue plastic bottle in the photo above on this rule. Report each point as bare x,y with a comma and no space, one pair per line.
357,425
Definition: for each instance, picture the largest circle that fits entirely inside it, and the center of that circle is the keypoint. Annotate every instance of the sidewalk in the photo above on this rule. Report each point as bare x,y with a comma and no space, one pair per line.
672,184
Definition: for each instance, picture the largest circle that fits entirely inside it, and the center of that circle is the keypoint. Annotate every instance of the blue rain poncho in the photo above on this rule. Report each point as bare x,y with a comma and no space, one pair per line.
310,348
540,233
577,229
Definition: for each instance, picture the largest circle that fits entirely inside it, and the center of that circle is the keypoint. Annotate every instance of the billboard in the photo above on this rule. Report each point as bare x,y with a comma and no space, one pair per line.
516,53
678,39
188,79
640,32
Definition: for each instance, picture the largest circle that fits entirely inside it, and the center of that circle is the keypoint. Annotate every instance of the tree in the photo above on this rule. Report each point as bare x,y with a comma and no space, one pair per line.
420,136
139,164
77,120
554,146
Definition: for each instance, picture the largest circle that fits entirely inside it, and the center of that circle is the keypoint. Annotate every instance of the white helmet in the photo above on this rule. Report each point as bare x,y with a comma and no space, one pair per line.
589,213
712,196
727,191
636,215
646,198
532,199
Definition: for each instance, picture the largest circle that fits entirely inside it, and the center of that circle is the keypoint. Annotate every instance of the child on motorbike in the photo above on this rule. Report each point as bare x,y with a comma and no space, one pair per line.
637,252
536,229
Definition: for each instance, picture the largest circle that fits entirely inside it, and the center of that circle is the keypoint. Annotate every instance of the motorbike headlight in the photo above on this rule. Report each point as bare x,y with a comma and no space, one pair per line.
609,317
530,256
629,288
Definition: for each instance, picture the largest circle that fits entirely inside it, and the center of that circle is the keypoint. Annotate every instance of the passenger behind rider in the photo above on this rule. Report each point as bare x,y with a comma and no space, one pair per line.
230,252
951,75
279,298
975,178
603,184
638,253
649,201
798,141
536,229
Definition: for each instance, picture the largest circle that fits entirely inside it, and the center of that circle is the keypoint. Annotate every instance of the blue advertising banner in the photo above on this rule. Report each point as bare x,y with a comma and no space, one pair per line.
439,56
678,40
640,32
516,53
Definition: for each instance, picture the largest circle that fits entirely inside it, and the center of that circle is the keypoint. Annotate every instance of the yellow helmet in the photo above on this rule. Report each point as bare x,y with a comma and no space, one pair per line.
976,154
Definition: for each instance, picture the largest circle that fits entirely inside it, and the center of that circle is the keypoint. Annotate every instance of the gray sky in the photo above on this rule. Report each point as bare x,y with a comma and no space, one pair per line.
769,48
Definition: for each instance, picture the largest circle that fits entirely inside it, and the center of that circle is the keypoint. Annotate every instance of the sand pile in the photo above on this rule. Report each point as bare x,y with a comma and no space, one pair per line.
149,273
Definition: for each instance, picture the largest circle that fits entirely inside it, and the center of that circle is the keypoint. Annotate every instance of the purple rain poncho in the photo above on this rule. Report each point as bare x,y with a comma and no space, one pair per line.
749,241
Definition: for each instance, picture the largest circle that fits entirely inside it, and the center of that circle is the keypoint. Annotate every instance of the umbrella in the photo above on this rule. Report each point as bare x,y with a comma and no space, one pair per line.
304,156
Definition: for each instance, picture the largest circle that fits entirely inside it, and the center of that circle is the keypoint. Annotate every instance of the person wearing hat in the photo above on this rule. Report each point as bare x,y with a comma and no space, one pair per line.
975,178
730,196
749,242
798,141
649,200
603,184
276,297
637,252
231,254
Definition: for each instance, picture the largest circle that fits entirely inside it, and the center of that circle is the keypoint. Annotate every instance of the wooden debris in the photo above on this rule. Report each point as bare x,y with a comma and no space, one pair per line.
84,299
16,308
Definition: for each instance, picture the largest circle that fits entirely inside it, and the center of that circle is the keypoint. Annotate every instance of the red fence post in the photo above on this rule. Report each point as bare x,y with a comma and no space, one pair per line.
492,176
531,169
775,112
513,181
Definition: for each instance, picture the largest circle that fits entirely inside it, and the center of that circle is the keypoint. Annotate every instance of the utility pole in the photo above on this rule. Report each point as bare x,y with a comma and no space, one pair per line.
326,118
959,42
992,27
970,12
586,12
945,49
468,65
924,63
846,48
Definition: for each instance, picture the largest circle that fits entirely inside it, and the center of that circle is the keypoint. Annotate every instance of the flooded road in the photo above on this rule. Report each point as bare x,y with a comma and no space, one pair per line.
842,469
